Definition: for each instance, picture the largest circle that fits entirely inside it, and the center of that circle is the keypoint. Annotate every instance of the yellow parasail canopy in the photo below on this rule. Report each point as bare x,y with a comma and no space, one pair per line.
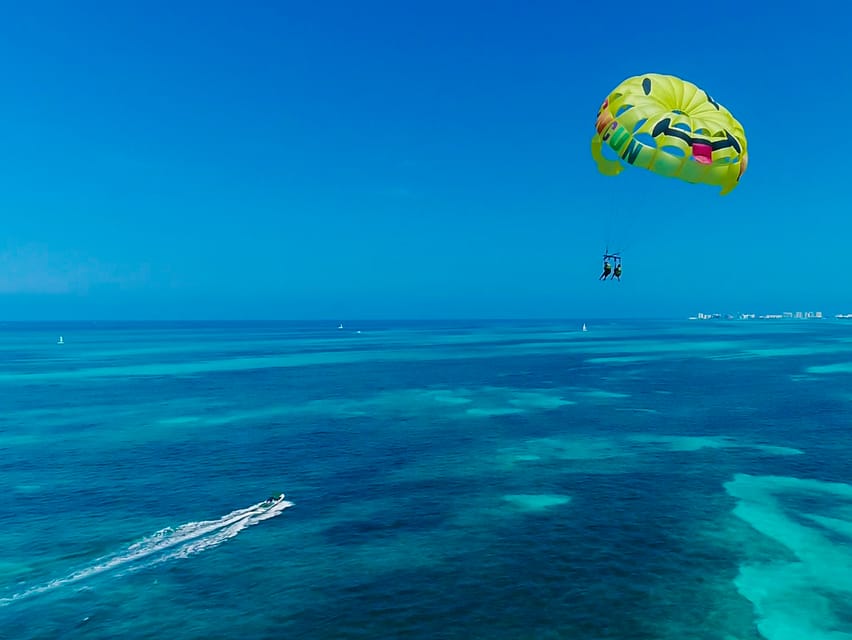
673,128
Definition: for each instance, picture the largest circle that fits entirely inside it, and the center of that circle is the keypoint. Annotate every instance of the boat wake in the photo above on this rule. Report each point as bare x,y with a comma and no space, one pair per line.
164,545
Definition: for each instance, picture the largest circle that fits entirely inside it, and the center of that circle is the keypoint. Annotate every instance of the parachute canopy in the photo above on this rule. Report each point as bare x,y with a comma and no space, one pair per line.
673,128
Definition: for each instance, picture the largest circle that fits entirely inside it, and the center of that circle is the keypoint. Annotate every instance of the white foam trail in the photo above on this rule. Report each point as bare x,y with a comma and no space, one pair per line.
166,544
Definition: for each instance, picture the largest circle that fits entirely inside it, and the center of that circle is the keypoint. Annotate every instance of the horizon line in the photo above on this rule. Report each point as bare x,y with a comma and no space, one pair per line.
337,322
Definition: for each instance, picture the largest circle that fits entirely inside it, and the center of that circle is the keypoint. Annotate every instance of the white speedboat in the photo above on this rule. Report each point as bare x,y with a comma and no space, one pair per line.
272,500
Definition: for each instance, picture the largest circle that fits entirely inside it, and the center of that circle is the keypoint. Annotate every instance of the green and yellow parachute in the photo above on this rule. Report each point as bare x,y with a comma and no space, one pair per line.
673,128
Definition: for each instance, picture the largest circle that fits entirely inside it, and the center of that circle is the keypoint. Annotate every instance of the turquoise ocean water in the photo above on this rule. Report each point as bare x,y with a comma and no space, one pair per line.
680,480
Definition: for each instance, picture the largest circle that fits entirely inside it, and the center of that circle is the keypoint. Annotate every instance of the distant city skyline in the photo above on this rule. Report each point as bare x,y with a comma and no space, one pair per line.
784,315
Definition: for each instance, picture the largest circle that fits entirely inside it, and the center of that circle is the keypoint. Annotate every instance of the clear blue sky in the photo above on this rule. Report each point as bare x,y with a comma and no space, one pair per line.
371,159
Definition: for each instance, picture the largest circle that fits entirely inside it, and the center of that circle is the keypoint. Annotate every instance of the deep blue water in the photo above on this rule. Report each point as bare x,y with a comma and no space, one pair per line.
659,480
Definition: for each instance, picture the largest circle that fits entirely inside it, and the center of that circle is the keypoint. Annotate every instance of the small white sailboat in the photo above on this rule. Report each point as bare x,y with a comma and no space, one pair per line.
61,340
340,326
584,327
